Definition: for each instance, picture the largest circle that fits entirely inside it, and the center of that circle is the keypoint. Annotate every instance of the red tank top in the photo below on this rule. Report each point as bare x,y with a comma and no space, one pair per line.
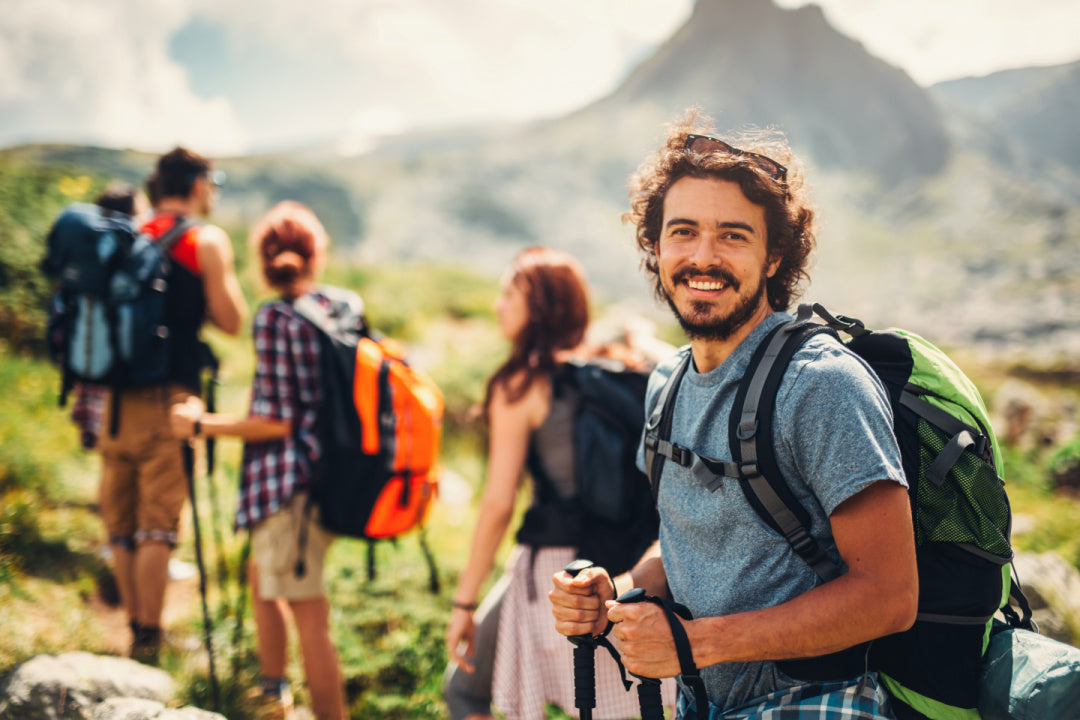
186,249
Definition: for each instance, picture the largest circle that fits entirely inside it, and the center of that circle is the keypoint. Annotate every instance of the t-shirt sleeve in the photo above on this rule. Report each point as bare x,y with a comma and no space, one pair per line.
837,423
286,365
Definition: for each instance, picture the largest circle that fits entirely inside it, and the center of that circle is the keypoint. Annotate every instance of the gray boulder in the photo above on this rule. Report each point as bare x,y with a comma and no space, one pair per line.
139,709
83,686
1052,587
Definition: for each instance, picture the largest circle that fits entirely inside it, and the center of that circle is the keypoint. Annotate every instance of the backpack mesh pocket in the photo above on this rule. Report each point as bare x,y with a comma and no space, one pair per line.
970,507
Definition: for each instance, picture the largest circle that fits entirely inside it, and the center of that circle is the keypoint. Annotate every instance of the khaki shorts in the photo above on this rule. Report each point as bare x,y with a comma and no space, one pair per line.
143,483
275,547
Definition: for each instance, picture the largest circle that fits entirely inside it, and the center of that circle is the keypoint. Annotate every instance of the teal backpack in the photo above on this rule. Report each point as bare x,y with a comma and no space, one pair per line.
960,510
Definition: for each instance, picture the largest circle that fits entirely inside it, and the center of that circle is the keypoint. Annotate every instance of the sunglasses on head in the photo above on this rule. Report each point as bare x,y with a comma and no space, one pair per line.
705,145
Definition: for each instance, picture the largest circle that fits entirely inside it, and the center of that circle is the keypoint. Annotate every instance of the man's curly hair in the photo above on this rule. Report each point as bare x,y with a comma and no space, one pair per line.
788,216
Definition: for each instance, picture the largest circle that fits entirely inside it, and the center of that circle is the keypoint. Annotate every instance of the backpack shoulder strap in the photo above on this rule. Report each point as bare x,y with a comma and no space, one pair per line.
658,429
751,440
173,235
345,313
311,310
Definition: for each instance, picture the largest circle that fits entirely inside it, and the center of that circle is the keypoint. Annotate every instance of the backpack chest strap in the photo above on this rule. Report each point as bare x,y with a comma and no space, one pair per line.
709,471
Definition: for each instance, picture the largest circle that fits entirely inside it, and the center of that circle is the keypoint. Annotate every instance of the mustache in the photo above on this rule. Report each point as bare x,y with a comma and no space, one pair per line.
715,273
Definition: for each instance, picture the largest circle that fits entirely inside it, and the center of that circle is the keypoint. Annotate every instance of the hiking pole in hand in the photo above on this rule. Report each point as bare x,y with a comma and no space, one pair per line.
649,700
584,659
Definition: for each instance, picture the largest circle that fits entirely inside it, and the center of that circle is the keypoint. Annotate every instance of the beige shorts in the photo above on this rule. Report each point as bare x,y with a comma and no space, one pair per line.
275,548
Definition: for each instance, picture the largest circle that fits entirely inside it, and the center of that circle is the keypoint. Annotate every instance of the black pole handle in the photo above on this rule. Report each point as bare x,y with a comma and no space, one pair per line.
584,659
649,698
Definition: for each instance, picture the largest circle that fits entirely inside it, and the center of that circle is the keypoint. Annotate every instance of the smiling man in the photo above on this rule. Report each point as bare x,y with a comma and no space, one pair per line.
726,232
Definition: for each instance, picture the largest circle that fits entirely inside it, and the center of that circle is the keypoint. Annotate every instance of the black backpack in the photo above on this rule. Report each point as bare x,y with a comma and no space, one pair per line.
379,428
960,509
612,519
107,318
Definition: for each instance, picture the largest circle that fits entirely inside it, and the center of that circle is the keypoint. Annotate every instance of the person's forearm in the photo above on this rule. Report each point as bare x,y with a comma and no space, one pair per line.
827,619
647,573
249,429
490,529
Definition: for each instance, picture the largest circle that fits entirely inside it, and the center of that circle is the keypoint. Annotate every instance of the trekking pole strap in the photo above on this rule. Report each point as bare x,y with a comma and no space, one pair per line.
688,670
602,641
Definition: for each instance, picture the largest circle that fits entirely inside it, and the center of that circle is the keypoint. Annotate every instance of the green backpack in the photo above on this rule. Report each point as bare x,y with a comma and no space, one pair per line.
960,510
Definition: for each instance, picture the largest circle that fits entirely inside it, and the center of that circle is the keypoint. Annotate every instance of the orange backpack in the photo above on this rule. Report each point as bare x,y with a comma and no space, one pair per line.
400,410
380,428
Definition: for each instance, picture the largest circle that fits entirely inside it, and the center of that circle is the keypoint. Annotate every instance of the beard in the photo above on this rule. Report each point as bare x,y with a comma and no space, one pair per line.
699,324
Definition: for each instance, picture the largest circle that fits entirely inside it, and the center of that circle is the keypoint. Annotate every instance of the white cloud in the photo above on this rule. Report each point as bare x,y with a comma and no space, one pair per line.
99,72
367,126
441,63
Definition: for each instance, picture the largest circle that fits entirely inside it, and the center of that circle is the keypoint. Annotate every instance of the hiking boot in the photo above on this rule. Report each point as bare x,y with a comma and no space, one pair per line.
271,706
146,645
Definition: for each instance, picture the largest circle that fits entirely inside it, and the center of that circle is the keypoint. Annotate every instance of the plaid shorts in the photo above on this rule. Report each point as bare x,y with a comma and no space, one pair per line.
865,699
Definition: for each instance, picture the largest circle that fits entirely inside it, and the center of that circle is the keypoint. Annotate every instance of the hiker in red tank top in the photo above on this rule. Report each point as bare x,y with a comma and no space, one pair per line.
143,485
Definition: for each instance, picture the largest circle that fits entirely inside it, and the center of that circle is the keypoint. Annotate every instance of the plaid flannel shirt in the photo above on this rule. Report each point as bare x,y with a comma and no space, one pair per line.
286,387
861,699
88,412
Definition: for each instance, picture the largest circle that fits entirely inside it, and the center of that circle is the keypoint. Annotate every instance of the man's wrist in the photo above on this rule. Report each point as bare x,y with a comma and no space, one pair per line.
621,584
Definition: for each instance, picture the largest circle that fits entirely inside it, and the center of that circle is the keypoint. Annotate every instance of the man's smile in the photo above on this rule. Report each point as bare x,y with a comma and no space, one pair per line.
697,284
710,280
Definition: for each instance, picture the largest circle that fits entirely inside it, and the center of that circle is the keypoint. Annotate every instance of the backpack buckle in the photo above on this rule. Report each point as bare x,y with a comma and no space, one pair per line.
800,541
681,455
749,470
747,429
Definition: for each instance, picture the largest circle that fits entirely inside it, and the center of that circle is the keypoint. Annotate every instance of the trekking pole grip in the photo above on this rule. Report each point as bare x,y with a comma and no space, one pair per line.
649,698
584,659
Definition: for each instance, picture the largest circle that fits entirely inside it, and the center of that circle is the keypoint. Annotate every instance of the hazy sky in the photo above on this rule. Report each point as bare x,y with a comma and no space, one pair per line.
232,76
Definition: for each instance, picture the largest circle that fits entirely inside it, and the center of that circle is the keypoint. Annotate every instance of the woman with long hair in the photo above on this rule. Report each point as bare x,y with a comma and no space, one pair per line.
280,447
505,652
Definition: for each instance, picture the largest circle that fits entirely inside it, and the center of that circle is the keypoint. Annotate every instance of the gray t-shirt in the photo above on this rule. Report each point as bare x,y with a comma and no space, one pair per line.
833,438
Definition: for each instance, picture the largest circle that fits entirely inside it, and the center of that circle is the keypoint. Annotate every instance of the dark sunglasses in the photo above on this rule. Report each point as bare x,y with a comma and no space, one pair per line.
705,145
214,177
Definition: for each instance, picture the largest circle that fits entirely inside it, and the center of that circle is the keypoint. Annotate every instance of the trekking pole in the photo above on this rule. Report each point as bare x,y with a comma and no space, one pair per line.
188,453
584,659
241,603
649,700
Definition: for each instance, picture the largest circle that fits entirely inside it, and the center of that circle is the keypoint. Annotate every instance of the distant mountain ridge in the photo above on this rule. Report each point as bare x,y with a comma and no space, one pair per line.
1034,107
758,64
952,211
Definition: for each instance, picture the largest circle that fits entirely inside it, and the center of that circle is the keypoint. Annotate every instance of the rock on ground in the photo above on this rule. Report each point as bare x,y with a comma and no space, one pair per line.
84,686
